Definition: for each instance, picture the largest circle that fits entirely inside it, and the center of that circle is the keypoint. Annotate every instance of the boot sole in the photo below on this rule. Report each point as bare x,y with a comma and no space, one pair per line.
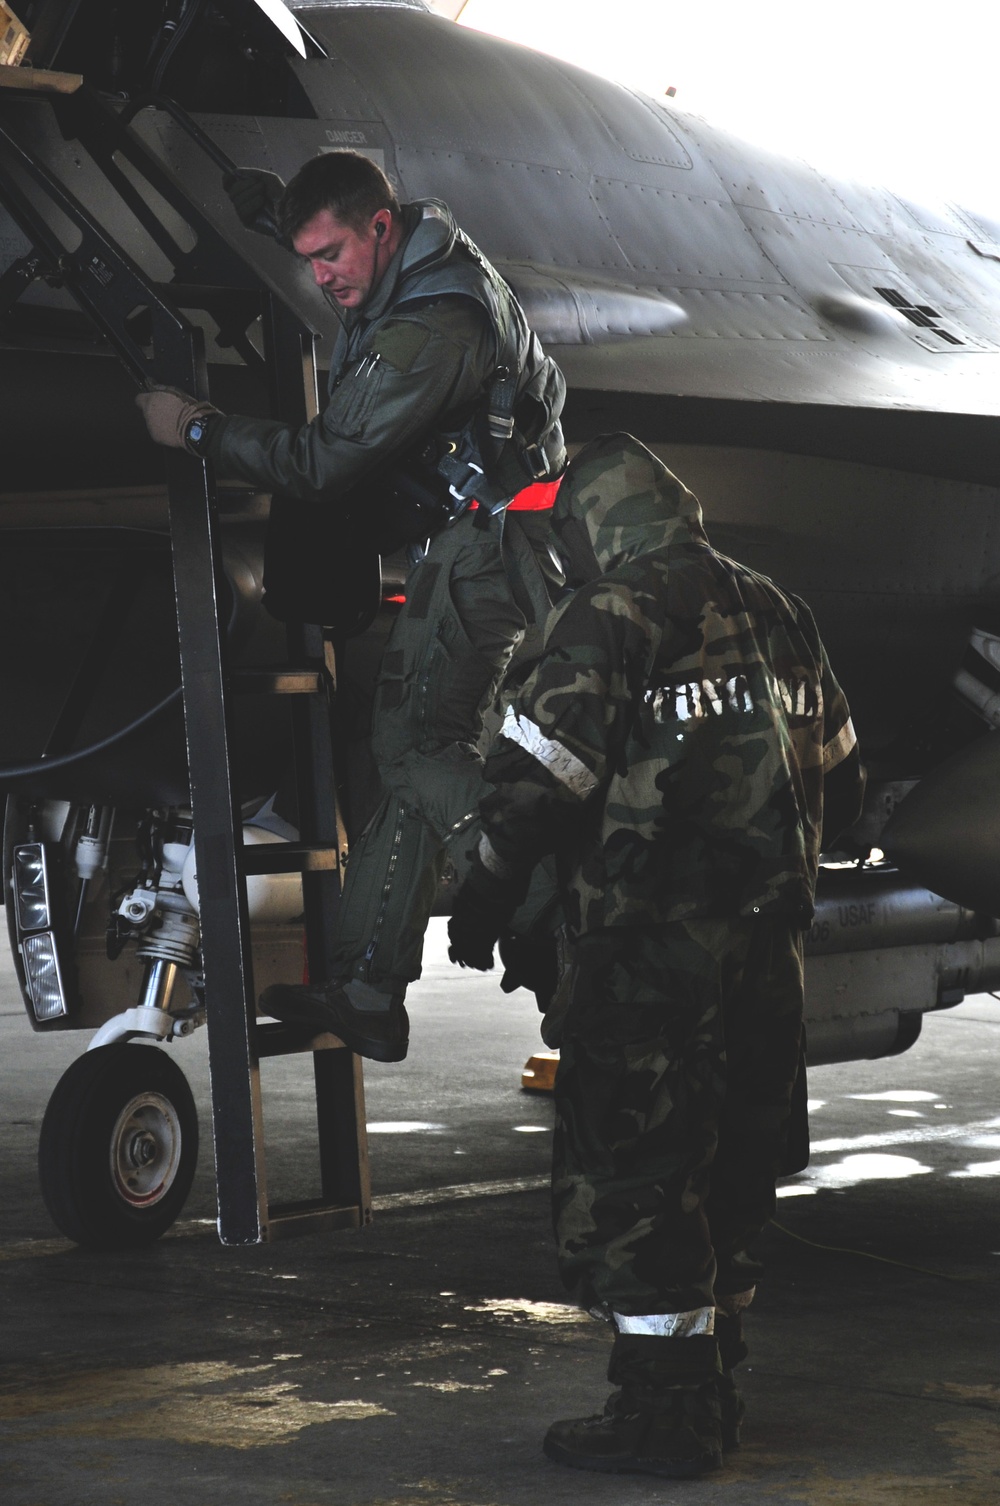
376,1051
361,1045
626,1464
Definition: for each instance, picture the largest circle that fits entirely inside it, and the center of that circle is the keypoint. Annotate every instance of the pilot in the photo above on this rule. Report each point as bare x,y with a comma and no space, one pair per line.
442,416
683,748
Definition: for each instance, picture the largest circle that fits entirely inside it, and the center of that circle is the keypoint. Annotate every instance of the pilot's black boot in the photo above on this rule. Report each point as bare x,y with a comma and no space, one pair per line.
664,1421
732,1350
380,1031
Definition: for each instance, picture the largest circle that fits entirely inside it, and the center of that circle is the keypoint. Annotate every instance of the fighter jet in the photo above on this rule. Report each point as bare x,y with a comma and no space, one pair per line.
817,359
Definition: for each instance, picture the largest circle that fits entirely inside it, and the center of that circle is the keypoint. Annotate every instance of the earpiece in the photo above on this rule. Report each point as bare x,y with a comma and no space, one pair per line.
380,229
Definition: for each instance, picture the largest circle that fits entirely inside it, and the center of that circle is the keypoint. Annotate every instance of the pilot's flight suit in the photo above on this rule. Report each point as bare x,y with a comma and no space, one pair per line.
417,365
671,747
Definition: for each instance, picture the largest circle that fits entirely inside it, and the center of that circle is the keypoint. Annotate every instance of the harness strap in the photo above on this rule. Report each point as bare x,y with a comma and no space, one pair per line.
527,580
503,390
494,427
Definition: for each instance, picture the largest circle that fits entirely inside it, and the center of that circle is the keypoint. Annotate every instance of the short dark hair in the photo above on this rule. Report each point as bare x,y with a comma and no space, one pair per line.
348,184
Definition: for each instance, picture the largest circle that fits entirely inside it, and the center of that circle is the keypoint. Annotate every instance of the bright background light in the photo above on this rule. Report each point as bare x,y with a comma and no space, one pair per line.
878,89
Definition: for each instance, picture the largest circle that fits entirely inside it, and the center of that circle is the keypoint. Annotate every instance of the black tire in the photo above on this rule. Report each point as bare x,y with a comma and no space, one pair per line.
118,1147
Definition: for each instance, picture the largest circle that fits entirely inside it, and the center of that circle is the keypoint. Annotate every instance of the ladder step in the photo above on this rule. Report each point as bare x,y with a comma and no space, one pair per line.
41,79
286,1220
277,1039
290,857
276,679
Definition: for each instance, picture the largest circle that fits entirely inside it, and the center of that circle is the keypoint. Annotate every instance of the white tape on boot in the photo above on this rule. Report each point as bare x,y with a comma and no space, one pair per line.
700,1320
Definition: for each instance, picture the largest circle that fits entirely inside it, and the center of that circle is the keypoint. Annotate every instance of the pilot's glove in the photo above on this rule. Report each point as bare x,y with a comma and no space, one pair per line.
254,194
169,414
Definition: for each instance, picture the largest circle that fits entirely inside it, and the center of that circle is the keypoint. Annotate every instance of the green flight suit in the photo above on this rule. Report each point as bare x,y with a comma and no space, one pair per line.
416,367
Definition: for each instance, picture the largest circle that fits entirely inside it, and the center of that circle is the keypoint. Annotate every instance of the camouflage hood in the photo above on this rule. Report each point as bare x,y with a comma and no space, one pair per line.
618,501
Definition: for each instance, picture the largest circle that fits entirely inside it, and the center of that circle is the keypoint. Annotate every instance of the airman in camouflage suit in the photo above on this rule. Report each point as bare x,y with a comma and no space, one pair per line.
679,746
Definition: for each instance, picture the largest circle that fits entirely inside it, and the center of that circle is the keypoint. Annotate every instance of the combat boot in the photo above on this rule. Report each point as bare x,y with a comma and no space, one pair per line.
370,1023
665,1419
732,1350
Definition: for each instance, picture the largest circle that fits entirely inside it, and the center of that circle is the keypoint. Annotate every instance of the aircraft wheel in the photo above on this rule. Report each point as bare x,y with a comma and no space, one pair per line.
118,1147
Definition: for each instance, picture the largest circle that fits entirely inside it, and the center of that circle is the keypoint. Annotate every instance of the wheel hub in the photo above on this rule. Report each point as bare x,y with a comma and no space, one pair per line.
142,1150
145,1149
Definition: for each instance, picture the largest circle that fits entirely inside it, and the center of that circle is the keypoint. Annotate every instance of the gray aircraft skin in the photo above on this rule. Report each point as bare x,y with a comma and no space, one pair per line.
817,359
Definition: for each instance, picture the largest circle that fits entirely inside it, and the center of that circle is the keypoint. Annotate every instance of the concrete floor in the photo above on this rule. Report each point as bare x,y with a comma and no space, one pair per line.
418,1363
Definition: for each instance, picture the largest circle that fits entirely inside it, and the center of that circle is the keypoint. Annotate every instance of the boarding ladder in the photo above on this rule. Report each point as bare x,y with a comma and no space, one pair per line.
70,245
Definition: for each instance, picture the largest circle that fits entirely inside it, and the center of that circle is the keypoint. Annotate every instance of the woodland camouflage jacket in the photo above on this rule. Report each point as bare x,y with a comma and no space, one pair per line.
672,742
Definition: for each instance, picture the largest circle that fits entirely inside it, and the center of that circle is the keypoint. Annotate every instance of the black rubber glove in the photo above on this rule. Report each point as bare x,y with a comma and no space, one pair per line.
473,929
530,962
254,194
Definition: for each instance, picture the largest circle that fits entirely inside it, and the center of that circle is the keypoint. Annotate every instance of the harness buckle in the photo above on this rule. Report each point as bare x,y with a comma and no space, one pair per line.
500,425
537,461
463,493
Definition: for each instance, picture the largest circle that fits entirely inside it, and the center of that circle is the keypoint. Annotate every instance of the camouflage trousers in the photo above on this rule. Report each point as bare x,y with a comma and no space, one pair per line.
679,1052
447,653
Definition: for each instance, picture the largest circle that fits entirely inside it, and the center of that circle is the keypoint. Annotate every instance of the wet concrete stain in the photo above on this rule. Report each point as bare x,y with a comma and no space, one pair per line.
521,1309
974,1479
987,1396
213,1403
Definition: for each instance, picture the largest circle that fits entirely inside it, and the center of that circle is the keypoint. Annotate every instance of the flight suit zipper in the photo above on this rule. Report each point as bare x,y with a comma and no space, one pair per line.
397,840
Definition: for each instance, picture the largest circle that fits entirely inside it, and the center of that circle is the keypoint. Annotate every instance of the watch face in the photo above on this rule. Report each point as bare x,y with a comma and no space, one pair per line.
196,429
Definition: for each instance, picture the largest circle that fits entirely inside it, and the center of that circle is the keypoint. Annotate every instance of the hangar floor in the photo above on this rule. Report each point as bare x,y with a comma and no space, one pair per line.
418,1363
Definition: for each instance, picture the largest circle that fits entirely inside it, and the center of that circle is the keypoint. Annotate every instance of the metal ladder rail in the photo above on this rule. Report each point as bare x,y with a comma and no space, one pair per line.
345,1195
109,286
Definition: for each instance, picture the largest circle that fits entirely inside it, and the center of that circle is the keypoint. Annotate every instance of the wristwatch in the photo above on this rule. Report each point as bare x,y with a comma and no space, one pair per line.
196,431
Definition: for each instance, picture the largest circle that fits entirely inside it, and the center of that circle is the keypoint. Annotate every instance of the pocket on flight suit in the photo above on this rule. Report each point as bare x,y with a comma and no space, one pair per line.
354,399
478,627
455,683
431,689
447,650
